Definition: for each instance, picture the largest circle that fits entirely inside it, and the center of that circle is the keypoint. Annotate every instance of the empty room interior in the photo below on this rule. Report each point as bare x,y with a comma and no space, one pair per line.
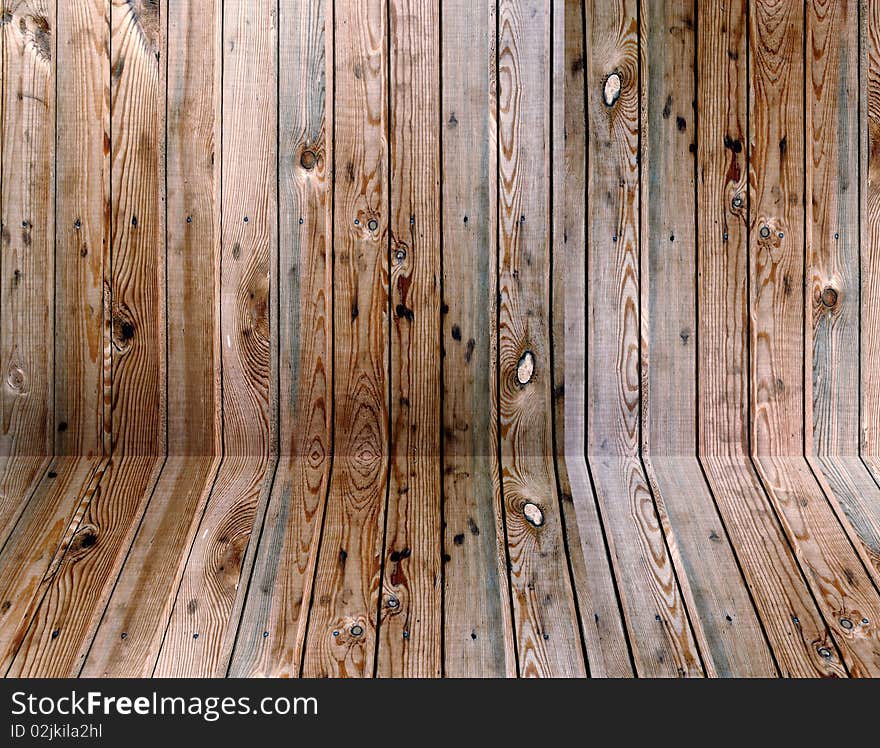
440,338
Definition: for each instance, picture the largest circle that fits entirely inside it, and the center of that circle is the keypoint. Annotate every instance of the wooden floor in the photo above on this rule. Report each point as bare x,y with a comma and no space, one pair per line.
440,338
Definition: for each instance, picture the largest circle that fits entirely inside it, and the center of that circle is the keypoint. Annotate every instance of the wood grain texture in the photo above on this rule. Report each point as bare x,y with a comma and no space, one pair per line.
28,557
832,227
601,622
410,623
341,635
723,618
844,590
722,230
82,235
202,629
129,637
472,614
137,251
273,627
870,244
193,225
660,634
27,228
776,158
86,567
545,618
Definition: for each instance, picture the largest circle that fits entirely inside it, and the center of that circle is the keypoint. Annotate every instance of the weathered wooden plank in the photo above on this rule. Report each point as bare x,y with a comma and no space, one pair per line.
144,594
832,227
131,629
723,617
137,256
85,568
793,625
410,625
203,625
478,633
601,620
544,611
660,633
272,630
843,589
870,245
798,635
341,635
27,232
26,557
82,235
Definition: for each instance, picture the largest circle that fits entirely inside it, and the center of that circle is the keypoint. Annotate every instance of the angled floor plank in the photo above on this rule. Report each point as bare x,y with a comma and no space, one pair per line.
86,568
42,532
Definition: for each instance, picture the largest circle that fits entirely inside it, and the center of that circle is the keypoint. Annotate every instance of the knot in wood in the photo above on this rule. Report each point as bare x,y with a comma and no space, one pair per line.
824,653
308,159
357,630
846,623
372,224
15,379
84,538
532,512
525,369
829,297
765,232
611,90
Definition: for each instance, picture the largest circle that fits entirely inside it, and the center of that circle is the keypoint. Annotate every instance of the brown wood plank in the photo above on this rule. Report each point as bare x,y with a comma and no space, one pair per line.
797,632
723,617
602,625
82,233
844,590
26,557
144,594
793,625
341,635
660,633
137,261
478,632
544,611
870,244
410,625
131,629
203,625
272,630
85,569
27,231
832,227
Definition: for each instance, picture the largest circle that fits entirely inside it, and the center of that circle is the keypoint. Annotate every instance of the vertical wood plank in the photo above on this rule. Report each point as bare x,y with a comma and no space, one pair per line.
660,633
795,629
27,231
724,619
410,636
843,588
545,619
82,231
131,630
202,629
870,249
601,619
477,626
137,262
273,626
341,636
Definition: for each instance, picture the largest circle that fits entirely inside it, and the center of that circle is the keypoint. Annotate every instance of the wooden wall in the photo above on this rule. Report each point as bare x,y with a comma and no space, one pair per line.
431,337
